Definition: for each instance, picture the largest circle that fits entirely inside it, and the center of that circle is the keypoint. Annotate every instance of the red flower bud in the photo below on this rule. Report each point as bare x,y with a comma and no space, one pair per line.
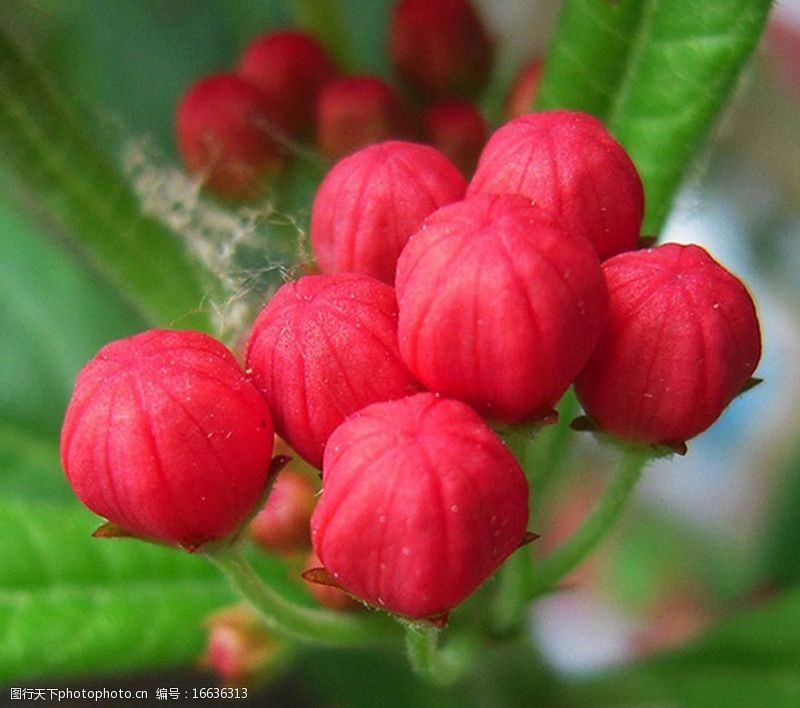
522,92
498,307
421,503
441,48
355,111
372,201
458,130
290,67
282,525
229,133
166,438
324,347
239,649
681,341
571,167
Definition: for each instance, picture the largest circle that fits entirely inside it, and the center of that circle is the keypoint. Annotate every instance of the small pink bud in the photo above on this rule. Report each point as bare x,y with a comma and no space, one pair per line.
681,341
571,167
523,91
239,648
327,595
372,201
230,134
421,503
282,524
440,48
166,438
290,67
498,307
324,347
355,111
457,129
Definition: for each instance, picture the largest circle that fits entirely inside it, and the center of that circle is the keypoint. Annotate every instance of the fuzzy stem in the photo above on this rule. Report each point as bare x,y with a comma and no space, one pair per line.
293,621
436,665
554,456
595,527
542,457
512,595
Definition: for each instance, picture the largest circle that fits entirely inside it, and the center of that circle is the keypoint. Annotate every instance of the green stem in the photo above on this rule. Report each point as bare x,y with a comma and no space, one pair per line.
440,666
77,192
542,451
546,467
294,621
596,526
511,598
542,455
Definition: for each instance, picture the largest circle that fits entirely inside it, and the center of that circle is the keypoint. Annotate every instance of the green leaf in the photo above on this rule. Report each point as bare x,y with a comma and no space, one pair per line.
72,604
750,660
81,195
55,316
29,465
657,72
588,55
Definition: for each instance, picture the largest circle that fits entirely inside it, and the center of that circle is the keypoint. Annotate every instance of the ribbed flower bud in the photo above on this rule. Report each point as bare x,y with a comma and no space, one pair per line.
681,341
324,347
571,167
498,308
373,200
421,503
166,438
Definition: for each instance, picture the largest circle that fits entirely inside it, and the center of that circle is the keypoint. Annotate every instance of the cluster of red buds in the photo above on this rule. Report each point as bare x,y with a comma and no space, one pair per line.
237,129
471,303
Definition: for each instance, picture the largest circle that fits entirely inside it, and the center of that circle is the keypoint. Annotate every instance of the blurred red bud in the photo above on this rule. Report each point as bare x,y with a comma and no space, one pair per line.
230,134
356,111
282,524
459,130
440,47
290,67
373,200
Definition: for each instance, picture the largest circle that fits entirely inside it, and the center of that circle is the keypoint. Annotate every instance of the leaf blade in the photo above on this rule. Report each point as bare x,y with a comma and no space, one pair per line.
71,604
588,55
29,464
59,316
658,83
697,50
53,159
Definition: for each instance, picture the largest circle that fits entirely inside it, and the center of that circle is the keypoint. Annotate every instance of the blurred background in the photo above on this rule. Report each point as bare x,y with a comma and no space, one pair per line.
711,533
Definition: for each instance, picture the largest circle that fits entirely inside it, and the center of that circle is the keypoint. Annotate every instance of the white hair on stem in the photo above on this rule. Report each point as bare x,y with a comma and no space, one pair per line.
237,245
